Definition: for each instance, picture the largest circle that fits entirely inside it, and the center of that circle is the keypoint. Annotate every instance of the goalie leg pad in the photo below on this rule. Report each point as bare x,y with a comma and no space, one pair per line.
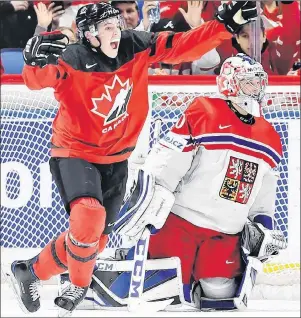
218,287
87,222
109,288
111,279
245,285
215,293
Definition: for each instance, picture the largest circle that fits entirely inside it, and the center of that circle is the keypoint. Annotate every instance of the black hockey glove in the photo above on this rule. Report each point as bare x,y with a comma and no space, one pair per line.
296,66
44,49
236,13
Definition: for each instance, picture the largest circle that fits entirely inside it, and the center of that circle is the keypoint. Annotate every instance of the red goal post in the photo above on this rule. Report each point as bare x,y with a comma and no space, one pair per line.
31,211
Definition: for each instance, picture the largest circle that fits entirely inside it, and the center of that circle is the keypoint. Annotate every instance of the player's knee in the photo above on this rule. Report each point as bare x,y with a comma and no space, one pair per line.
87,221
102,242
218,287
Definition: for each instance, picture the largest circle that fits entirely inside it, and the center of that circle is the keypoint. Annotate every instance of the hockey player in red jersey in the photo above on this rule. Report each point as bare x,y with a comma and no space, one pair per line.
217,162
101,84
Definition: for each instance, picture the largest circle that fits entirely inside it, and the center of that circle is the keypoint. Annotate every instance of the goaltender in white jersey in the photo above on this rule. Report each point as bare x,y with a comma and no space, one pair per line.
217,162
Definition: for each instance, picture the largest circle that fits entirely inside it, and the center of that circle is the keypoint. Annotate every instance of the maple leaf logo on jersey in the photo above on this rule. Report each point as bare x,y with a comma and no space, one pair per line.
113,103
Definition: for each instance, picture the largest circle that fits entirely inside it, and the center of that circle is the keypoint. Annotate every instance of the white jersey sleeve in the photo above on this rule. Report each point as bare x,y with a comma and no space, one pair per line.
265,199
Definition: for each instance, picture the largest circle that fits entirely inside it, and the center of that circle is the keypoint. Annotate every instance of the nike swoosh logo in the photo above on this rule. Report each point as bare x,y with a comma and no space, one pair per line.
228,262
89,66
111,224
224,127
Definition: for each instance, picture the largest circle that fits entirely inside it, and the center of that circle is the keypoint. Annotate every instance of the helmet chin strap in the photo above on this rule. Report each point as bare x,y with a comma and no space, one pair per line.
94,48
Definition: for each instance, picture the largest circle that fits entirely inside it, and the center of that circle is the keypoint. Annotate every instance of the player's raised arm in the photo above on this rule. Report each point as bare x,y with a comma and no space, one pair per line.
175,48
41,58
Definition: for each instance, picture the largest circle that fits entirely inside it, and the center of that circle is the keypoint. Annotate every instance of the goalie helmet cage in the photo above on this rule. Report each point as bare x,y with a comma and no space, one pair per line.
31,209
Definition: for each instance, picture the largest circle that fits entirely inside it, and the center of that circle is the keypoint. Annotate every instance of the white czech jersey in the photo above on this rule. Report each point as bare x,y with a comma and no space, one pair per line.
221,168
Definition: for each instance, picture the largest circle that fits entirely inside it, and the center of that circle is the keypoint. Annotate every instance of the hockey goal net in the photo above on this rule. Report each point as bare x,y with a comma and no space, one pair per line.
31,209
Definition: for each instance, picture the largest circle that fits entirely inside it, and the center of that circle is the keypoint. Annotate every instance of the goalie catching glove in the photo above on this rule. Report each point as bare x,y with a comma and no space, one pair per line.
44,49
236,13
146,204
261,242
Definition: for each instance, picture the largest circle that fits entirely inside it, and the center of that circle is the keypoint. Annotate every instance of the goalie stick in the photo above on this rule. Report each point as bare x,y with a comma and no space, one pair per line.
135,301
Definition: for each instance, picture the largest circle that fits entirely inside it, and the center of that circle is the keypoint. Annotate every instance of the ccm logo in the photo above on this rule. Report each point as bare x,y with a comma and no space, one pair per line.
137,283
105,267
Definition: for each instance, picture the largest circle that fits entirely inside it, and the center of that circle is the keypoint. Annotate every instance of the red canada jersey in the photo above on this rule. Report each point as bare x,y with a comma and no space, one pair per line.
104,101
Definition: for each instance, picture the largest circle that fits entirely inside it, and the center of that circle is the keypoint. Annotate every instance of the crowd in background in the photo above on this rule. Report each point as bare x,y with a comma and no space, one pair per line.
279,21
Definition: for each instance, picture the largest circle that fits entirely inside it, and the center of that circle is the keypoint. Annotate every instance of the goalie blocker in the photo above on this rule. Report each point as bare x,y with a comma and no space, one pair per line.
146,204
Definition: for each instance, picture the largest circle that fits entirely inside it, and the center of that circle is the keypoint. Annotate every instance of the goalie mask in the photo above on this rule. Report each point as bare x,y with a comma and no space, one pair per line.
102,21
242,80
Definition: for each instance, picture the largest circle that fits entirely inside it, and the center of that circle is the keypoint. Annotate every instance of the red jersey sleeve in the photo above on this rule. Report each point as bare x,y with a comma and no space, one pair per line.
174,48
50,75
188,126
38,78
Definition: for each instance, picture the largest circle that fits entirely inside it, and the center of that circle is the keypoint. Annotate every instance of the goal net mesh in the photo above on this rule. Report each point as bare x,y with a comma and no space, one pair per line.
31,209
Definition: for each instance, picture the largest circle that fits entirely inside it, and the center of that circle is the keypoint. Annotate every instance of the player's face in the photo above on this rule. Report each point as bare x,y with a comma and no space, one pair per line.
109,34
253,87
245,39
129,13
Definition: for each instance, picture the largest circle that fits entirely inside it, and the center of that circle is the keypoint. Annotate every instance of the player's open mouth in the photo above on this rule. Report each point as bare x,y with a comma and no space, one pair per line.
114,44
